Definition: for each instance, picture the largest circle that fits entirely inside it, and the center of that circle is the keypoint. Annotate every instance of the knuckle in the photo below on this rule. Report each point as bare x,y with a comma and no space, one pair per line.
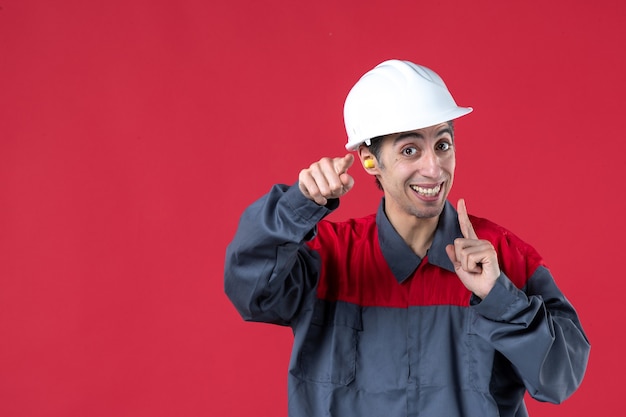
322,192
336,188
325,162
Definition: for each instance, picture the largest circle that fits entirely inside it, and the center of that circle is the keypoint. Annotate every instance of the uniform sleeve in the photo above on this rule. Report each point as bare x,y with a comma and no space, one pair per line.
268,269
533,325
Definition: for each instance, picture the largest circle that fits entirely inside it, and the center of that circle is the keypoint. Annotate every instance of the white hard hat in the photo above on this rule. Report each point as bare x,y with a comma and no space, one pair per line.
397,96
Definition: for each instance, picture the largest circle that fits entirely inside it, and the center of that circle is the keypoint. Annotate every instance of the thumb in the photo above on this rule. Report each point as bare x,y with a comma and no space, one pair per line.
452,255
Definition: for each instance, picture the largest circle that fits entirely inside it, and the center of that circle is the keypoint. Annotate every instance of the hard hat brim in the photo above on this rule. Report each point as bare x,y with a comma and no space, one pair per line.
354,142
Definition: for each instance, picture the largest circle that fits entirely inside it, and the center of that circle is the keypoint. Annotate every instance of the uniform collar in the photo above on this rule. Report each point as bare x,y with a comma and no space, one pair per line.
400,257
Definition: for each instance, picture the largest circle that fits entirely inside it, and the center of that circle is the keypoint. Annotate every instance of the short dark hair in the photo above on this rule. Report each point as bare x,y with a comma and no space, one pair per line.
376,144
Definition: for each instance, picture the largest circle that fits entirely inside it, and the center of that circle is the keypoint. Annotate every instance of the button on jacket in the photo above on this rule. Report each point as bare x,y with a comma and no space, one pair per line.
379,331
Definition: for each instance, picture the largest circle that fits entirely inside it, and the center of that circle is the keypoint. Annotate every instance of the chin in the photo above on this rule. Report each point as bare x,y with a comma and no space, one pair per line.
430,212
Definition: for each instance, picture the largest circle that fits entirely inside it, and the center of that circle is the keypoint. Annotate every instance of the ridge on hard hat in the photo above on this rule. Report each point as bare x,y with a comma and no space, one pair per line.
397,96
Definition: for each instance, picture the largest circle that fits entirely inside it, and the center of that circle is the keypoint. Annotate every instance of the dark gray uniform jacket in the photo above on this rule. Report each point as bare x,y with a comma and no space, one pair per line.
379,331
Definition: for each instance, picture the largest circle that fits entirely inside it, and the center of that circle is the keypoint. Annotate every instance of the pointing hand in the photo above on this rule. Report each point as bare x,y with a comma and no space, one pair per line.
475,261
327,178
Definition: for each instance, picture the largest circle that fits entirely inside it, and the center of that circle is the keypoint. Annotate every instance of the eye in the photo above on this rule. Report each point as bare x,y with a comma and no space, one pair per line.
443,146
409,151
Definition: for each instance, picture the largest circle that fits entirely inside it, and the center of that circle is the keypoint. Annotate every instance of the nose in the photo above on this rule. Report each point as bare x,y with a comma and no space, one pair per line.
430,164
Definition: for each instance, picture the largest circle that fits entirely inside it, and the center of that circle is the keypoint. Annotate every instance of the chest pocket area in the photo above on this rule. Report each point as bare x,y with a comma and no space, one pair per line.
328,353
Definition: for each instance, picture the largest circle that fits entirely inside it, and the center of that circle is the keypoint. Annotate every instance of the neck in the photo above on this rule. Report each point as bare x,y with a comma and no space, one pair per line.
417,232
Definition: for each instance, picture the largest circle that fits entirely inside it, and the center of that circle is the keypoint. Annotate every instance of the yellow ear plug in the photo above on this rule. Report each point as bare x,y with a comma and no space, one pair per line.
368,163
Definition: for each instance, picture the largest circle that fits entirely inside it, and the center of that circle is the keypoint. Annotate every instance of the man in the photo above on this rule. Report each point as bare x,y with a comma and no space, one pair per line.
419,310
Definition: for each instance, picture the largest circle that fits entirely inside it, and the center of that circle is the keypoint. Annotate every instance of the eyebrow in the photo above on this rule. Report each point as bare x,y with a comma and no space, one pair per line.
406,135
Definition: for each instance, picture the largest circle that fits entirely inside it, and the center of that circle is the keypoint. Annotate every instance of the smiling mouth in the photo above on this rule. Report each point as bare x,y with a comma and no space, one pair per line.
427,191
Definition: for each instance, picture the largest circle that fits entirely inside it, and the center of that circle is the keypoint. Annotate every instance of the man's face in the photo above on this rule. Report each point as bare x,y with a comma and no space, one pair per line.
416,171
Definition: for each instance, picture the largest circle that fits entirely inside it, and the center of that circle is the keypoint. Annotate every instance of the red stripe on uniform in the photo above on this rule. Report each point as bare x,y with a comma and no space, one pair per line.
354,269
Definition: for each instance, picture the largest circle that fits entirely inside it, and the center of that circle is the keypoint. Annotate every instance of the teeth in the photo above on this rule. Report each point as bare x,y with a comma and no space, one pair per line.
428,192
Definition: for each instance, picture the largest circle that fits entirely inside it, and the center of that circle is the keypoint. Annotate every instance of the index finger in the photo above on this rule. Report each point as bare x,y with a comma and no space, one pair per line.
466,225
342,164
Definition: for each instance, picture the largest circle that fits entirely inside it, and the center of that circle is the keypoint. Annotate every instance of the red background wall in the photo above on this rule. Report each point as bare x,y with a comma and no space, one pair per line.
133,134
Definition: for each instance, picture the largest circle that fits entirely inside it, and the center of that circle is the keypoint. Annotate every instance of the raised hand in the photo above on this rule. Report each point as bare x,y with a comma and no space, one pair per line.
475,261
327,178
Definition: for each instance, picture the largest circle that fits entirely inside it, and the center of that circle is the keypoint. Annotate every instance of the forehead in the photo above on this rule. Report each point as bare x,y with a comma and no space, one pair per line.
436,131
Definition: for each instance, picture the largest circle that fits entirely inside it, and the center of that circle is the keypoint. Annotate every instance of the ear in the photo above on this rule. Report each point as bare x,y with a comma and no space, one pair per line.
368,160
